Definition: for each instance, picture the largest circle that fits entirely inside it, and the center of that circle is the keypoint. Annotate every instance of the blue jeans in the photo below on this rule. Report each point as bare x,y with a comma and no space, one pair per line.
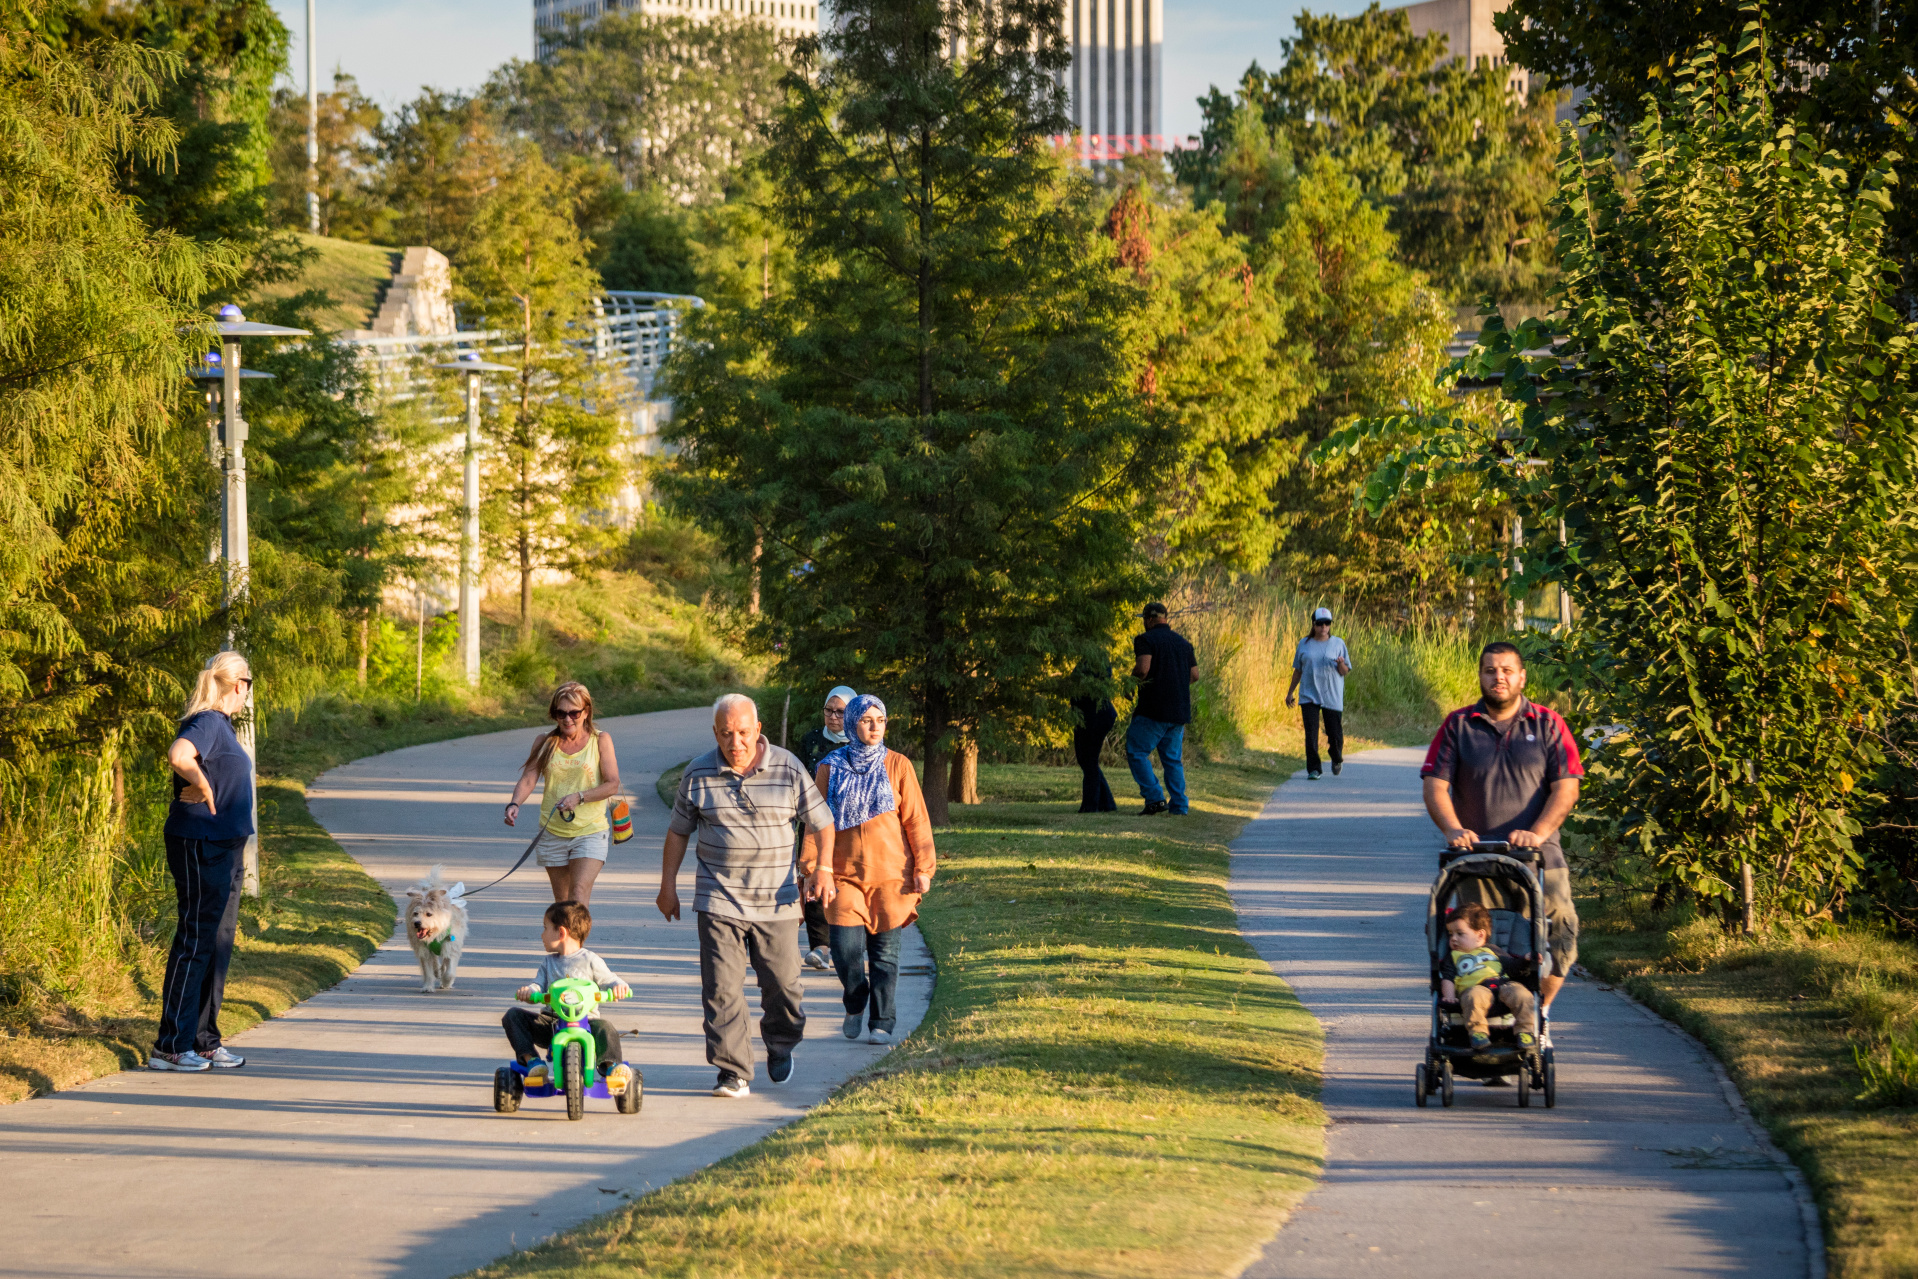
1142,737
868,966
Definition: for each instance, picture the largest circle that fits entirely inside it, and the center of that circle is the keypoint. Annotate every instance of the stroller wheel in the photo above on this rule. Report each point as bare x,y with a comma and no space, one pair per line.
1419,1080
1445,1083
1551,1084
1524,1085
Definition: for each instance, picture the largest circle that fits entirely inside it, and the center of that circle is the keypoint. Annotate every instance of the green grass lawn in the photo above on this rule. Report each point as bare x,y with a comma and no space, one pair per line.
1109,1081
1793,1017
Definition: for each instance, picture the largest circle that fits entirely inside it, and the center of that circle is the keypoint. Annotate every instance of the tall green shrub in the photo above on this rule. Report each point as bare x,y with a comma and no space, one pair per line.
1725,425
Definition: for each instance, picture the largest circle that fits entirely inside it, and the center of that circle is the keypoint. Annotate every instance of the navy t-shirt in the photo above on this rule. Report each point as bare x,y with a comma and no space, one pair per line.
1165,694
231,775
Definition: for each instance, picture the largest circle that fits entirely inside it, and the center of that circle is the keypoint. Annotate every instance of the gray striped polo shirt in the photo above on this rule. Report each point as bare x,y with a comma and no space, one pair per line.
745,828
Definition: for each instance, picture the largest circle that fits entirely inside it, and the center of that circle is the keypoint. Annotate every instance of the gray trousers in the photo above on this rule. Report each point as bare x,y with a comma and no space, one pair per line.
726,946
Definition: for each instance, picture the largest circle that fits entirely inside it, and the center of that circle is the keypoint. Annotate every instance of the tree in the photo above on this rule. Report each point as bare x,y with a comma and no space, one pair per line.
1463,162
555,460
1726,428
639,238
1861,56
440,156
741,253
671,102
97,322
935,431
349,124
1372,334
217,90
1217,362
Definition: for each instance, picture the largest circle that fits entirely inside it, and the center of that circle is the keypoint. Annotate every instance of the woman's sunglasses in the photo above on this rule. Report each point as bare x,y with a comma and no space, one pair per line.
564,716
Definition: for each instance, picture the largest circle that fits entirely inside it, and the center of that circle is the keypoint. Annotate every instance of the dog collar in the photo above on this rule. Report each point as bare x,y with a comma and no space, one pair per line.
434,946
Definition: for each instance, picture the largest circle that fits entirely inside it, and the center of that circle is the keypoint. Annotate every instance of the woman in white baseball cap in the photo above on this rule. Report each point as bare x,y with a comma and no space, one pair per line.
1319,667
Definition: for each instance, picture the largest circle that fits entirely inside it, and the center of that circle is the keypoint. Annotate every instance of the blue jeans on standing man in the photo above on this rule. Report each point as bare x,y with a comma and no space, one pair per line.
1144,736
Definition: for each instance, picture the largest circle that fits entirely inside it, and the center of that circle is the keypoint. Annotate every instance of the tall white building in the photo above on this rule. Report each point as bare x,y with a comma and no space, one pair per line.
785,17
1117,79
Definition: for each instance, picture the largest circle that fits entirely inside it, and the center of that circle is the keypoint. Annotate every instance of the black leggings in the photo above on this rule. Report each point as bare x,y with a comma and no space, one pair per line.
206,880
1334,735
1095,793
529,1031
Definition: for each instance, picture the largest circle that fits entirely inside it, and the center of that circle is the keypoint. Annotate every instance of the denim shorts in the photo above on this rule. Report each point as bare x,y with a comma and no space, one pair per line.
555,850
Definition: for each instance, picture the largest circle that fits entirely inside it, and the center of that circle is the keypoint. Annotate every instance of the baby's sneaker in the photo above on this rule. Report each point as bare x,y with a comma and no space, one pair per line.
618,1078
536,1075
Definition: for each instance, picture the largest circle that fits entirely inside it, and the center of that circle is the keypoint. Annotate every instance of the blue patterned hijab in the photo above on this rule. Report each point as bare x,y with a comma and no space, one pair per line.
859,789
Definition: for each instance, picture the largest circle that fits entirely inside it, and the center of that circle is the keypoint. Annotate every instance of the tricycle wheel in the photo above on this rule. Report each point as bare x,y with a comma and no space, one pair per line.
574,1068
1551,1084
507,1090
1418,1079
1445,1082
629,1101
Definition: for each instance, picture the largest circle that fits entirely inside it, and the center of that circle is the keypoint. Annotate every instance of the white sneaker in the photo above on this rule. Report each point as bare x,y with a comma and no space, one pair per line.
818,958
226,1060
731,1085
880,1037
855,1022
188,1060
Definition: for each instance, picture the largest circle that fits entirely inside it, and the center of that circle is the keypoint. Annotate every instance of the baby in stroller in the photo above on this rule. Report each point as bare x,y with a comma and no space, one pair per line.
1473,973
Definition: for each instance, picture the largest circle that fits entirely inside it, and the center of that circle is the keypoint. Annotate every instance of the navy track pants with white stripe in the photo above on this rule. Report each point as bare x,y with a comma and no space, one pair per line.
206,881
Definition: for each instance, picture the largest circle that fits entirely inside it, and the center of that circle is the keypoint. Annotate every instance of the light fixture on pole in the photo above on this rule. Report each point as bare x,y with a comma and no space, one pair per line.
472,366
234,326
210,374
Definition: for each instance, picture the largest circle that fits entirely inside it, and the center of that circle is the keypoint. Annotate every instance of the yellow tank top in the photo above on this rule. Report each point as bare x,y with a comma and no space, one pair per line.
568,775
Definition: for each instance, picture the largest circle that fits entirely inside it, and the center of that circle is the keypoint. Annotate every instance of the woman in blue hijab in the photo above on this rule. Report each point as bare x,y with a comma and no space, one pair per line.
882,863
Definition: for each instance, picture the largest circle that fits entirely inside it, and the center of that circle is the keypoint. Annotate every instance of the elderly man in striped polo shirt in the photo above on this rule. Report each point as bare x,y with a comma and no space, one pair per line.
742,798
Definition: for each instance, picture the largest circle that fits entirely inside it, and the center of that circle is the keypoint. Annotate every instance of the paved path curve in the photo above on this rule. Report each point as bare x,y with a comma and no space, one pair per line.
360,1138
1644,1168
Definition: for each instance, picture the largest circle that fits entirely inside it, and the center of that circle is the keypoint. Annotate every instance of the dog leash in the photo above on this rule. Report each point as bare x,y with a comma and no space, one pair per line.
464,892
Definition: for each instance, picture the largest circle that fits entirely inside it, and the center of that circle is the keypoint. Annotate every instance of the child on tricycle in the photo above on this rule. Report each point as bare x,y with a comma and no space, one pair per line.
585,1053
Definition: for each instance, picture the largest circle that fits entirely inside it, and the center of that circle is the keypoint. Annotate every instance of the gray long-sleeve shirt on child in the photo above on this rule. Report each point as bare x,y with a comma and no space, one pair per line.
582,964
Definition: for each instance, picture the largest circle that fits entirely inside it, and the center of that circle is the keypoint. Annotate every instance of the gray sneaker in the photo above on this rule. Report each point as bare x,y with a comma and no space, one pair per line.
877,1036
818,958
188,1060
225,1060
855,1022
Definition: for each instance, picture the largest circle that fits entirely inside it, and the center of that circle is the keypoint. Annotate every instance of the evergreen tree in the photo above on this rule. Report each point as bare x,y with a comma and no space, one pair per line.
935,433
224,57
1217,362
639,237
1373,337
741,253
101,601
440,156
347,171
556,461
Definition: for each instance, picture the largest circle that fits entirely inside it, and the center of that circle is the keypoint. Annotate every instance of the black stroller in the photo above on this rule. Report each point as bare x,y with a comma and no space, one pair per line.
1505,881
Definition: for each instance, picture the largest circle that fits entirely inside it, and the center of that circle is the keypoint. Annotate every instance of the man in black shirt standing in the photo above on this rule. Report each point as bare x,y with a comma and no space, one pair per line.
1165,668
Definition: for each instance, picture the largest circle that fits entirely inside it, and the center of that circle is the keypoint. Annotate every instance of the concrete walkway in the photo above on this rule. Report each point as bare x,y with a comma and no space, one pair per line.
1644,1168
360,1138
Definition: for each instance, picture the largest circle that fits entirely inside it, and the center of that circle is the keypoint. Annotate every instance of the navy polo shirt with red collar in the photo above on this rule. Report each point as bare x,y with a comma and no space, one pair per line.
1502,773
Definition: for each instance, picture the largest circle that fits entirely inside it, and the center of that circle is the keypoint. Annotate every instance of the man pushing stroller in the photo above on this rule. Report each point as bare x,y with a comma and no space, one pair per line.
1507,770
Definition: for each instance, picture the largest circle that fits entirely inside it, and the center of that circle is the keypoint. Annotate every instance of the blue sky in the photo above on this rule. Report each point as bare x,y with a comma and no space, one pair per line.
396,46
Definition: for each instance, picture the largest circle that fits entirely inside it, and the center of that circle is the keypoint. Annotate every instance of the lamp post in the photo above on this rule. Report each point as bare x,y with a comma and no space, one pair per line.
233,542
312,128
470,364
211,375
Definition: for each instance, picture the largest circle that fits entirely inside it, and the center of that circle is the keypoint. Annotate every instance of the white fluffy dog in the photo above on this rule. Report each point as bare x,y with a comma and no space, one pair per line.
436,930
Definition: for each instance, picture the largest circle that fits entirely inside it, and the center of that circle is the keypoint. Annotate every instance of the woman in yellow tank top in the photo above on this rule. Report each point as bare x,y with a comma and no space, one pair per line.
580,773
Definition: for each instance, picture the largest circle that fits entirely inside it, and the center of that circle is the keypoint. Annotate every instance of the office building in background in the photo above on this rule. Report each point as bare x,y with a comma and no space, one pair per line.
1469,34
785,17
1116,82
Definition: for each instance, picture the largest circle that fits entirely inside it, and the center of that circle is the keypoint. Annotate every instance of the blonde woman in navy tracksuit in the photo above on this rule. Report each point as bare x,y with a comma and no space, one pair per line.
206,833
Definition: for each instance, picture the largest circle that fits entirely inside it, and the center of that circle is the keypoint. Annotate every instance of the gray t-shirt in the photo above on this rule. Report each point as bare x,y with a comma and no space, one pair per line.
745,828
1319,680
582,964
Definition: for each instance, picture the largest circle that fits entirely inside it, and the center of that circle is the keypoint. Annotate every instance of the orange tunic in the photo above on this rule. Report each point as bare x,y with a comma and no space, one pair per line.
873,863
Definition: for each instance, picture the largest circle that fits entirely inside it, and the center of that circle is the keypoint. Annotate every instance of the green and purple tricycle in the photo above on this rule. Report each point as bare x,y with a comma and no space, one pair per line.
570,1067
